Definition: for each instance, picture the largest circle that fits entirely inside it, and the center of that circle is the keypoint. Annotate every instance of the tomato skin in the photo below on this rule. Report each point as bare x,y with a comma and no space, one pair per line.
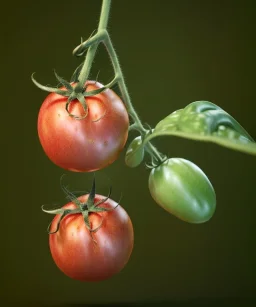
87,144
135,153
78,256
181,188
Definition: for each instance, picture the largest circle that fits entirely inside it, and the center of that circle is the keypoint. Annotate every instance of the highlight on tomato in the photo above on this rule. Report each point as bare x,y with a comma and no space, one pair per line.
181,188
88,140
91,238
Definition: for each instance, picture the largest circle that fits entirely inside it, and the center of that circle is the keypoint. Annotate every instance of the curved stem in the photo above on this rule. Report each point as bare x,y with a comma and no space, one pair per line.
103,36
154,151
121,83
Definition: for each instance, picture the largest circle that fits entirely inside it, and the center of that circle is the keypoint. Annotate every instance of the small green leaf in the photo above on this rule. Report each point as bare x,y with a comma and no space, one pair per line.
204,121
135,153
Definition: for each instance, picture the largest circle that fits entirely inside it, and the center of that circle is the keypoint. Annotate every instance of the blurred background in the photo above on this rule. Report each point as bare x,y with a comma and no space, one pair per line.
172,53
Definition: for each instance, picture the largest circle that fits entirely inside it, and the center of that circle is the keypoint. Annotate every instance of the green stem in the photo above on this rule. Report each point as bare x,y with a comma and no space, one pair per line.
103,36
121,83
154,151
104,15
90,55
85,71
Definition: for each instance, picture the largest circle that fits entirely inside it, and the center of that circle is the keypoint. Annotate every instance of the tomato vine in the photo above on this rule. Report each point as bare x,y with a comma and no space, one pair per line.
84,125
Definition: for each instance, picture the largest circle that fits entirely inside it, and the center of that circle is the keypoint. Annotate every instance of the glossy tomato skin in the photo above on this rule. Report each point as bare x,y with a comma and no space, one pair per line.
74,251
181,188
87,144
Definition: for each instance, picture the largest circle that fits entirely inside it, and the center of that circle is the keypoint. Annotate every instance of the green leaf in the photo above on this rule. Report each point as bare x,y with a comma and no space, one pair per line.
205,121
249,148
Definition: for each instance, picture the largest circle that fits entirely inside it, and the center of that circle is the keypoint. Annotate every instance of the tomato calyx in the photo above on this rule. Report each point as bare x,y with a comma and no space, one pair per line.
74,90
156,163
84,208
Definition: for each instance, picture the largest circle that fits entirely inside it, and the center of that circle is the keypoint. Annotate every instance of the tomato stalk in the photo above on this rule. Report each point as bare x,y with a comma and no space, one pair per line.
90,55
92,44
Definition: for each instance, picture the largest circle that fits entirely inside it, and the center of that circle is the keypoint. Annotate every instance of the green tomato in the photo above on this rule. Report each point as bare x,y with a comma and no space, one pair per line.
135,153
181,188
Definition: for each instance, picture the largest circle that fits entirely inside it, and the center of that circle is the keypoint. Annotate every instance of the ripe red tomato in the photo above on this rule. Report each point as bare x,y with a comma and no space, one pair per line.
83,145
75,252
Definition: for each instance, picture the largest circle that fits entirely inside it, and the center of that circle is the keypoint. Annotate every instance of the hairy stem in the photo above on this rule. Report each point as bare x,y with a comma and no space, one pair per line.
102,35
121,83
105,9
87,66
90,55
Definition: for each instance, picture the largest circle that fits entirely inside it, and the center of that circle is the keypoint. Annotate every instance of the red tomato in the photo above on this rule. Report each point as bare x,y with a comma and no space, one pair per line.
83,145
75,252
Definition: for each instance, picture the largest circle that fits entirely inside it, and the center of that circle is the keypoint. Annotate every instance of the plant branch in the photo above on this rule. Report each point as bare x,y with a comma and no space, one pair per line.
92,45
90,55
121,83
105,9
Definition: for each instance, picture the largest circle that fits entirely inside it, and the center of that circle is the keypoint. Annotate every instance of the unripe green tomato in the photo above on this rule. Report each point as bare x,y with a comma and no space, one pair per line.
135,153
181,188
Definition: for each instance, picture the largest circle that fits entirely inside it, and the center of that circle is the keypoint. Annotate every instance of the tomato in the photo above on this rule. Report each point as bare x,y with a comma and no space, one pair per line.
88,144
135,153
181,188
84,258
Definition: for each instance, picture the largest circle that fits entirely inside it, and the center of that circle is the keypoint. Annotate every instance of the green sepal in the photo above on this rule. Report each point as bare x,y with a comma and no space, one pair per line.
102,209
90,200
63,214
94,92
65,93
104,199
83,103
76,73
63,82
81,99
85,208
69,194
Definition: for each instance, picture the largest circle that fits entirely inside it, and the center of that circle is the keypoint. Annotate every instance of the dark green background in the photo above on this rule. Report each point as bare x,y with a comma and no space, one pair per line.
172,53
